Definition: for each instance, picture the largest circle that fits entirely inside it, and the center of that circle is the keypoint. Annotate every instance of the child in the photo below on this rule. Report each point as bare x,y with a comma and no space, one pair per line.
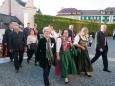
90,41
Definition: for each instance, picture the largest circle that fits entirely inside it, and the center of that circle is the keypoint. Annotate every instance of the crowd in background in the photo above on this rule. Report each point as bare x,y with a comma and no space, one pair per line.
65,49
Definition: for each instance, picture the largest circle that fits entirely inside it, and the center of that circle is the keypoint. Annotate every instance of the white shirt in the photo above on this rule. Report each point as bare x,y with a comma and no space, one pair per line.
53,34
32,39
76,39
58,44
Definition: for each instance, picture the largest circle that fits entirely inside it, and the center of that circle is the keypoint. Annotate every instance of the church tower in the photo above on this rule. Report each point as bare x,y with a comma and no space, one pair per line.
29,12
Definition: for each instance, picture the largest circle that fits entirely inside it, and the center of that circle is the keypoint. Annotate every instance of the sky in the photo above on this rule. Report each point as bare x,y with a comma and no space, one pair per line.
51,7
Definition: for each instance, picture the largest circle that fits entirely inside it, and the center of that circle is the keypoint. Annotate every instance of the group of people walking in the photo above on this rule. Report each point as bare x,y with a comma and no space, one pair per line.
65,50
19,41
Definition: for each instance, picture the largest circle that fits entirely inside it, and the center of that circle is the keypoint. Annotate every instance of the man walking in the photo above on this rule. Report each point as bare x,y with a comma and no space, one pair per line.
17,45
71,32
6,41
26,31
102,48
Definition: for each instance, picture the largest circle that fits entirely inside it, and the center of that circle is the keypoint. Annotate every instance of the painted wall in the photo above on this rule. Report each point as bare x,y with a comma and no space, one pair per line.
16,9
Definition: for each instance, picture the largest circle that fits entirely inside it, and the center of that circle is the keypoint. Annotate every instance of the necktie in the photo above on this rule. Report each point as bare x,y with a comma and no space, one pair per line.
104,39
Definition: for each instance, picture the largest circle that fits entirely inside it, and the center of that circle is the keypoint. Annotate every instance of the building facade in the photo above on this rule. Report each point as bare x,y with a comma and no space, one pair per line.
102,16
24,11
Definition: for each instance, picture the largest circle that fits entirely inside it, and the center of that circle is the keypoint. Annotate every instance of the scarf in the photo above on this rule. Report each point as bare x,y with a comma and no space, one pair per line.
49,54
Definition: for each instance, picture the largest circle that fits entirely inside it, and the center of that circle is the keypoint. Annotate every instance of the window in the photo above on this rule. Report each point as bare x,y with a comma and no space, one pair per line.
91,18
74,13
97,17
107,17
82,18
94,18
102,12
108,12
87,18
78,13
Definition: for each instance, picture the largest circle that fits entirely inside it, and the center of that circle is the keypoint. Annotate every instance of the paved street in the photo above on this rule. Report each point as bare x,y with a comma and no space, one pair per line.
30,75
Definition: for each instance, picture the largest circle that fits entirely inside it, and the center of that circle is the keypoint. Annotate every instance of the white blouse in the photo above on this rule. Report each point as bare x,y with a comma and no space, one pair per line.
76,39
53,34
31,39
58,44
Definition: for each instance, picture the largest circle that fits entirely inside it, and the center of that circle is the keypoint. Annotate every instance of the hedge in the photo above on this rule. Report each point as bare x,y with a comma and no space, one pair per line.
63,23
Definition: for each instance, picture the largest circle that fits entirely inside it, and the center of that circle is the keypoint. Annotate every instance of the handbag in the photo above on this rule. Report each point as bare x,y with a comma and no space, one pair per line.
33,46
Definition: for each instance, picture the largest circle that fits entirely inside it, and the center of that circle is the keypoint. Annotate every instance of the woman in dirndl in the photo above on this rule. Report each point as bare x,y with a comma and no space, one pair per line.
82,61
64,55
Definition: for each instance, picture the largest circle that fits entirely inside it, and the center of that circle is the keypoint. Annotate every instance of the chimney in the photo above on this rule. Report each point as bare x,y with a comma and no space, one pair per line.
10,7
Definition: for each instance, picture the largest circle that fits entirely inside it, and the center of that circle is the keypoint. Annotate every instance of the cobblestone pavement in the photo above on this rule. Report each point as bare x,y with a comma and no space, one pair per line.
30,75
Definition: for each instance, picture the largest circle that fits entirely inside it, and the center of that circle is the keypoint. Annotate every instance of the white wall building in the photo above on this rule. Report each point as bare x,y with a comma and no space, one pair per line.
23,11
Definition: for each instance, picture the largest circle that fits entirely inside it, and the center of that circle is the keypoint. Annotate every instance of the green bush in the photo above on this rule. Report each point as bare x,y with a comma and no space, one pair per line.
63,23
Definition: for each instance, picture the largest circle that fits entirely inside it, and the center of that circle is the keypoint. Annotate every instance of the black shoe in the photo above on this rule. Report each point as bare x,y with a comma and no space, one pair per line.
20,65
107,71
61,76
78,73
36,64
28,61
17,70
47,84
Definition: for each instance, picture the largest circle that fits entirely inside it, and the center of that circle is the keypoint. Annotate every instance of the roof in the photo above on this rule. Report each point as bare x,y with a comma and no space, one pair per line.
109,9
90,12
3,26
69,10
74,11
21,2
7,19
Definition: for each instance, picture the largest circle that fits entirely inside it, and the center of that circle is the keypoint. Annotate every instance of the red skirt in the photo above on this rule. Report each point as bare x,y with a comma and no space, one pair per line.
58,70
5,52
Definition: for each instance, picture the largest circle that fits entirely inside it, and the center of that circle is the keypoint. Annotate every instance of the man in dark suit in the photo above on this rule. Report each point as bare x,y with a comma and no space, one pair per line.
6,37
26,31
4,46
71,32
17,45
46,54
102,48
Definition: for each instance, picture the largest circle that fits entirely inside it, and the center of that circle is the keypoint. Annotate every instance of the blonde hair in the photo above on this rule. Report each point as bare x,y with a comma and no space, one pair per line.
84,29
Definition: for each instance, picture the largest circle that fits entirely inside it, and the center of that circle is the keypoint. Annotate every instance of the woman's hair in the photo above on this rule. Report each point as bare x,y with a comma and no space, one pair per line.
84,29
44,29
32,30
63,31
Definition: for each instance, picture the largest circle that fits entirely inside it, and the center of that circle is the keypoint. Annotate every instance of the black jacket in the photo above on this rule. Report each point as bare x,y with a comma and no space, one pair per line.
101,41
17,41
26,32
41,52
70,33
6,37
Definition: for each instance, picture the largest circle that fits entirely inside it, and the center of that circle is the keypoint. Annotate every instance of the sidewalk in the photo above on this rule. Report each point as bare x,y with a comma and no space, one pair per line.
31,75
7,59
